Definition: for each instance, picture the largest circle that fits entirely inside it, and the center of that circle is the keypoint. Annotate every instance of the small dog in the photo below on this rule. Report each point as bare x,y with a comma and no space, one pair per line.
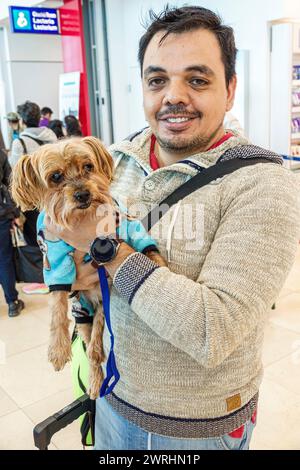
66,180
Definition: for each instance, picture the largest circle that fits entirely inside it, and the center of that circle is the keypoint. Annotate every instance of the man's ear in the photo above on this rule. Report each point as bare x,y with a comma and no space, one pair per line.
103,157
26,187
231,89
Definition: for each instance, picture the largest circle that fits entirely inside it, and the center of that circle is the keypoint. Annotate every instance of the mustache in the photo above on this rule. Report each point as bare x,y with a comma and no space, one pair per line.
177,109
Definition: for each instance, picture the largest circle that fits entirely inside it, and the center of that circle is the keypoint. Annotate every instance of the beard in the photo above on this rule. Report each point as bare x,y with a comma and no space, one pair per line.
195,144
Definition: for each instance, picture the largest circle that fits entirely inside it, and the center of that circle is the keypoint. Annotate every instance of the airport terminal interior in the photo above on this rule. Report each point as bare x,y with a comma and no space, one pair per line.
78,60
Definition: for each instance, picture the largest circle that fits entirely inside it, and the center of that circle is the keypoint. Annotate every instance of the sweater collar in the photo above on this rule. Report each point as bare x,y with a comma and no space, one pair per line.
139,150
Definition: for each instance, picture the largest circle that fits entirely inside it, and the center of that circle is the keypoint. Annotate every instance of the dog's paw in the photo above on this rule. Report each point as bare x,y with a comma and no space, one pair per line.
95,353
95,382
59,356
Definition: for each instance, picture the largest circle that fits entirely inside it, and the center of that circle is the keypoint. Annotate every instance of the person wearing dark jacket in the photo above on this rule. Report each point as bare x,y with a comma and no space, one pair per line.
8,214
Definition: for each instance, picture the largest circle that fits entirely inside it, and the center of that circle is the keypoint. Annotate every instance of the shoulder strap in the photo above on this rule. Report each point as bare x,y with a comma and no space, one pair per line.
23,145
135,134
38,141
196,182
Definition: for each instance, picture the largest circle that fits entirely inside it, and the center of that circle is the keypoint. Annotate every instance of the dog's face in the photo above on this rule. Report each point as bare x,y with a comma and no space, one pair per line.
66,179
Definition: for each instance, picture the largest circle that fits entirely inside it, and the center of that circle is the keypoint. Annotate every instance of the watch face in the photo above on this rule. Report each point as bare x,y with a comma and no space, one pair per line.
103,250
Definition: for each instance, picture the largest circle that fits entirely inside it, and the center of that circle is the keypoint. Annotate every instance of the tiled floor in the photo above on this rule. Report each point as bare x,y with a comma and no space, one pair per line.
30,390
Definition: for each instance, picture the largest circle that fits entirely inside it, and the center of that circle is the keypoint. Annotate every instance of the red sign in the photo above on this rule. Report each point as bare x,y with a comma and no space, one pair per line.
69,22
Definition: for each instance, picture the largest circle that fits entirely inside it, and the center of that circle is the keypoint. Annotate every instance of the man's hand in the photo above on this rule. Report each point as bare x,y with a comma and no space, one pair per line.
123,252
81,238
86,276
82,235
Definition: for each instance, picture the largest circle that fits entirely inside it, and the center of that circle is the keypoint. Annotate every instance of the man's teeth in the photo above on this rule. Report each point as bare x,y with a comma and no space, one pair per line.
179,119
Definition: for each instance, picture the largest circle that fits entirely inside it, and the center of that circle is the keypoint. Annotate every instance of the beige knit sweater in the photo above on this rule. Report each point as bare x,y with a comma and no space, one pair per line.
188,337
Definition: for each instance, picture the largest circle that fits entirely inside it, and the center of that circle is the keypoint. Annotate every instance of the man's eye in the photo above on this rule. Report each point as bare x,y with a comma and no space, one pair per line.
156,82
198,82
57,177
88,167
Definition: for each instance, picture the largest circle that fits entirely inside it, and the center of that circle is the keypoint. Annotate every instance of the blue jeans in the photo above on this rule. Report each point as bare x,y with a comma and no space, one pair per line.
113,432
7,269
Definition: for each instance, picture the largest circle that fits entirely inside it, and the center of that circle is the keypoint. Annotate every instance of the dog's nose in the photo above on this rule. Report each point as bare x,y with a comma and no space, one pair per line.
82,196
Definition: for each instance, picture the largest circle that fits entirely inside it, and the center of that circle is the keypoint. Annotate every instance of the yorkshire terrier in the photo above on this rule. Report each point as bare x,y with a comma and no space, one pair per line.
67,181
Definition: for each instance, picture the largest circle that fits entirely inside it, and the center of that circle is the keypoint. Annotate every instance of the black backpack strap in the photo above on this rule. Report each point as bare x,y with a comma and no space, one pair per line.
38,141
135,134
202,178
23,145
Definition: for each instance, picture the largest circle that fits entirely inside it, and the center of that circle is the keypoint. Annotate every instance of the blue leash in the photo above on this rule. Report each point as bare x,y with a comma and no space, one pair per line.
112,372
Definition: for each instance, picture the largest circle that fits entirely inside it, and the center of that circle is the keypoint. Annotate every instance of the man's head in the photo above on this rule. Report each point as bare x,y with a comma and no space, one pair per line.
187,60
46,113
30,114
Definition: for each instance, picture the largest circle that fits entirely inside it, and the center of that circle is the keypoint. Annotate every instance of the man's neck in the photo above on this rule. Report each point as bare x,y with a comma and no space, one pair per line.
166,157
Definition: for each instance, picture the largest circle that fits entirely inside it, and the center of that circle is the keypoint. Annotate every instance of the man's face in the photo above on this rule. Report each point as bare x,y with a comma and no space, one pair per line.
185,92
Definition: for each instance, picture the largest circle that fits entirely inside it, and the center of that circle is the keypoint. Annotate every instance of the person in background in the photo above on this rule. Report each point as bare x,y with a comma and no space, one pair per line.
57,127
30,140
46,114
72,126
32,136
15,128
8,215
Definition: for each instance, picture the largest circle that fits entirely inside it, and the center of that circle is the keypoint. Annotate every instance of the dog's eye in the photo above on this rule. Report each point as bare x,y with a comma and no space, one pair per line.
88,167
57,177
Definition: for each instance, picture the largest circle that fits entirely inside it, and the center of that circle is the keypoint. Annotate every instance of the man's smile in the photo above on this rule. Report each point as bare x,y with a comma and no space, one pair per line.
175,122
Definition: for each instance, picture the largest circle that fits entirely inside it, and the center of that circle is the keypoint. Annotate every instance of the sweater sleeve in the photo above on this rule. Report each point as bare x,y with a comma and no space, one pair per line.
248,262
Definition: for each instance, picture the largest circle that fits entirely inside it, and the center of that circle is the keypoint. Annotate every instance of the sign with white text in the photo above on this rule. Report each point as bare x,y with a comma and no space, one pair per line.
34,20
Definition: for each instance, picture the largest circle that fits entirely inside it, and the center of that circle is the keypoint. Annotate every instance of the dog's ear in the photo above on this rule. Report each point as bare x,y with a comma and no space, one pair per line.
26,187
103,157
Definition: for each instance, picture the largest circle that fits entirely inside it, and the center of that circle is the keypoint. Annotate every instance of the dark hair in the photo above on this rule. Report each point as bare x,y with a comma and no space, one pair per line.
30,113
72,126
46,110
56,126
185,19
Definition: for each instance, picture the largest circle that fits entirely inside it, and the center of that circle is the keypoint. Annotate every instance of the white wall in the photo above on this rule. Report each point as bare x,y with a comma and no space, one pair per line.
291,9
36,62
248,18
30,67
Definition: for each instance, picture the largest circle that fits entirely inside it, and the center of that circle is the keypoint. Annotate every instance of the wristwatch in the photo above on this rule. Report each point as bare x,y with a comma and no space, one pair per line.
104,249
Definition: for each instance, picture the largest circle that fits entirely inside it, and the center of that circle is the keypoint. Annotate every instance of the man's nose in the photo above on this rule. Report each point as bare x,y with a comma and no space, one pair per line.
176,92
82,196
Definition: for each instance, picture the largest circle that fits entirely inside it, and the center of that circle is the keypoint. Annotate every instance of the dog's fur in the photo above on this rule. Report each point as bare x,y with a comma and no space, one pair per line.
85,165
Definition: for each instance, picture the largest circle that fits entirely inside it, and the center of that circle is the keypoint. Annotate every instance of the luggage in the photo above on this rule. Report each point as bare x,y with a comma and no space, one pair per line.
28,259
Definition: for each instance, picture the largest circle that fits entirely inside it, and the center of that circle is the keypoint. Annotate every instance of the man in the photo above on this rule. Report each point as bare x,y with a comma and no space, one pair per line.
46,114
188,337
